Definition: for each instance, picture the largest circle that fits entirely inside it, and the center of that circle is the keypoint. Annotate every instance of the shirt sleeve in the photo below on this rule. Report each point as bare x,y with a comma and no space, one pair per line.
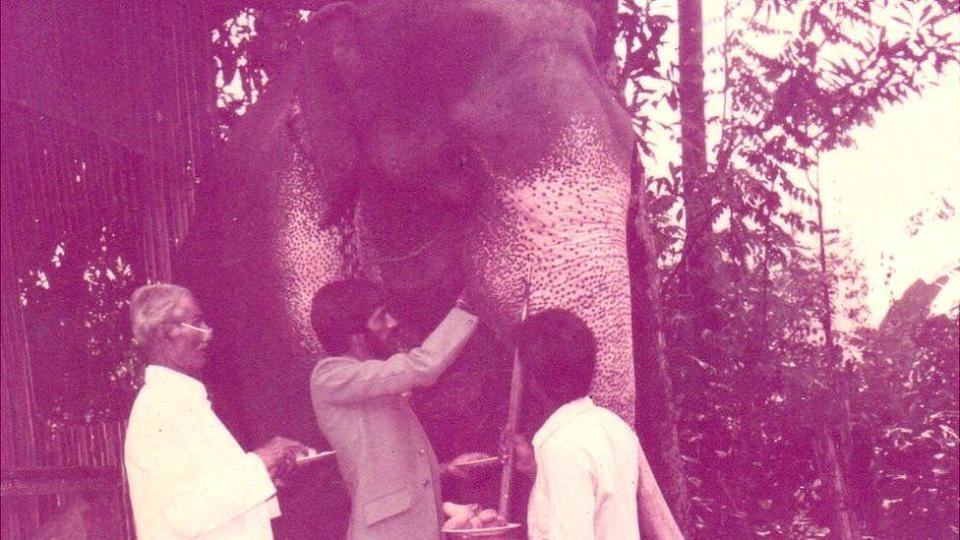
347,380
216,496
569,491
215,493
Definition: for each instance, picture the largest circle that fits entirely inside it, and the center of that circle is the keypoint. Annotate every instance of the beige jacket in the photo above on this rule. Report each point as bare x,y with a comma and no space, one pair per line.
383,453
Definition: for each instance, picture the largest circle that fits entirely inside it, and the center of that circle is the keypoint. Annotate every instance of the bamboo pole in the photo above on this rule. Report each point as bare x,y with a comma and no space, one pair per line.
513,410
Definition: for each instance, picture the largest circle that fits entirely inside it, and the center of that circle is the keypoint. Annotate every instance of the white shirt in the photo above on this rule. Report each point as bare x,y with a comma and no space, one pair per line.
587,473
188,476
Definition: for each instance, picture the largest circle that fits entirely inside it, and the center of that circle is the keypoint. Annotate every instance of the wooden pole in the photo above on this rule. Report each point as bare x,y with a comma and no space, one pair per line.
513,410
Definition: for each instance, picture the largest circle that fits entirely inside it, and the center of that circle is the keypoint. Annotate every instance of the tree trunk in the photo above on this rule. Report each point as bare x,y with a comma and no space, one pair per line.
844,521
656,409
845,525
695,300
657,412
697,195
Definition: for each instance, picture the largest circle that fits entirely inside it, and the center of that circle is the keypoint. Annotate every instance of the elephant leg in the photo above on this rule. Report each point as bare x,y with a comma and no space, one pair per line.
563,226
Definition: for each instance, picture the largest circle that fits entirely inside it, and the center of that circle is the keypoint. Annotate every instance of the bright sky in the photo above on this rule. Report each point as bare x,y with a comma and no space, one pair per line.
906,166
894,182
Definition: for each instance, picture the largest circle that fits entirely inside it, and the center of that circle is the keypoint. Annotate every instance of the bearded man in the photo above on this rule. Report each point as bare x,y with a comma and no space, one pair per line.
360,397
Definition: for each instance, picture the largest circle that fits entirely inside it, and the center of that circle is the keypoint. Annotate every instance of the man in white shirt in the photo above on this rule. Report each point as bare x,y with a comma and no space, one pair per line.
586,456
188,476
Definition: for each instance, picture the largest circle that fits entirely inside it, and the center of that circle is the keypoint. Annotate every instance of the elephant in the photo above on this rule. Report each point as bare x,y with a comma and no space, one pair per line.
430,145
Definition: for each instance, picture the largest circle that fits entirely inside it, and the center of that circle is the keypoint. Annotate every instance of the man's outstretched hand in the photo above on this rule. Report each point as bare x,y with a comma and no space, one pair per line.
465,301
280,455
523,458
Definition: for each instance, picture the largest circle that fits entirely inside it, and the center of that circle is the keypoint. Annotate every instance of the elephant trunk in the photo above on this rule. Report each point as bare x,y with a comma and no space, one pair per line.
562,225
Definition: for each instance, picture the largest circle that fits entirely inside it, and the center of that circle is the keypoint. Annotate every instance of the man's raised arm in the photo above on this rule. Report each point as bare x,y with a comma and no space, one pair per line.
341,379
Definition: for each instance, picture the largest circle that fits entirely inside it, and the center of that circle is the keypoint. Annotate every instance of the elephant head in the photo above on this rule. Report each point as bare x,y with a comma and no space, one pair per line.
457,143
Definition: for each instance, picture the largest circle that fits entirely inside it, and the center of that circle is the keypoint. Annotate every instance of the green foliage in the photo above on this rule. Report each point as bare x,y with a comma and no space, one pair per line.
907,402
75,313
250,47
798,76
750,414
755,381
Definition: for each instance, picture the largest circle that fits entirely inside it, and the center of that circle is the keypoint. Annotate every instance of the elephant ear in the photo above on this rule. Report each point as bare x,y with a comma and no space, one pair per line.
336,26
603,28
322,125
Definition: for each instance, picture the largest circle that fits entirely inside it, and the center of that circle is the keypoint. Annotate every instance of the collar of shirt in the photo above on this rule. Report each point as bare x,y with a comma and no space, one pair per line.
174,383
561,417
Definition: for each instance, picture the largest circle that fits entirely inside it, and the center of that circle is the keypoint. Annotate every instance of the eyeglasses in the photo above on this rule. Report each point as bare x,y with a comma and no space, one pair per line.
204,331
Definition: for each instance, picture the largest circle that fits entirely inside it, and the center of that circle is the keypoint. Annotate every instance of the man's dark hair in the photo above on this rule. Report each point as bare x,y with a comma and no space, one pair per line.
342,309
559,352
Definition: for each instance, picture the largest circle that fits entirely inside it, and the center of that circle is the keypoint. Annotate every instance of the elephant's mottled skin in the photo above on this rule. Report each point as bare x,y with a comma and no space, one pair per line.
469,141
310,253
562,227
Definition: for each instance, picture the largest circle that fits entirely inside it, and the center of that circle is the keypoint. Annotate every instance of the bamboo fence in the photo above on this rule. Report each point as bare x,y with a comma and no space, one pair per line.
107,119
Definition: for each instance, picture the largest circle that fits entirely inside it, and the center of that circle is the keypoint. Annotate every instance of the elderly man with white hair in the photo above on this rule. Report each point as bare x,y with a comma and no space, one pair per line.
188,476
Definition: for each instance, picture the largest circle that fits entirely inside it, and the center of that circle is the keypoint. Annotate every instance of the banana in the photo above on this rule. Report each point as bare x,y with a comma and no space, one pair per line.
453,509
457,522
487,516
469,516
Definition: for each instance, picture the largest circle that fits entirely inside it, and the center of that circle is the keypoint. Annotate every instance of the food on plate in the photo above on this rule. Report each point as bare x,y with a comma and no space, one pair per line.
458,515
487,515
469,516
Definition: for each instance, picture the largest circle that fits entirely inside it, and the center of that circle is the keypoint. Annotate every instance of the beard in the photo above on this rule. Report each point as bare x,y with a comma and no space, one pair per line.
383,346
399,339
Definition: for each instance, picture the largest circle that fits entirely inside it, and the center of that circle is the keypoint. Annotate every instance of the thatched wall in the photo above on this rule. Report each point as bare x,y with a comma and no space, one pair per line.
107,124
